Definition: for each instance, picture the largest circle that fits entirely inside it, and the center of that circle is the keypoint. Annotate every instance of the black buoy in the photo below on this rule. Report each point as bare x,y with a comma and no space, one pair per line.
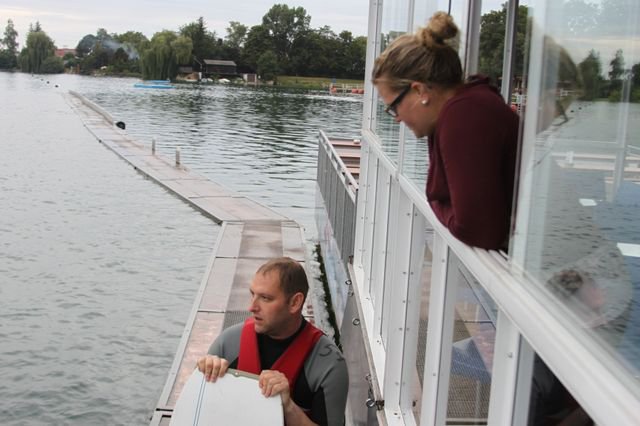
120,124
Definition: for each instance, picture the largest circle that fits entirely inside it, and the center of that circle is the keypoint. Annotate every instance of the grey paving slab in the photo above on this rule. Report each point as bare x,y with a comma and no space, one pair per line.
292,241
215,209
197,188
205,328
127,149
216,292
261,240
166,172
236,208
230,240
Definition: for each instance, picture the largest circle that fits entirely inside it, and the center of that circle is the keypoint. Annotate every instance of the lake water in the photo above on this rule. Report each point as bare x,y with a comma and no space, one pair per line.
99,266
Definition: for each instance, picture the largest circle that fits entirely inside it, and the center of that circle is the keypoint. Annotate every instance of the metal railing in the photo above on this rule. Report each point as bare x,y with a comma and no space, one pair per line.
339,191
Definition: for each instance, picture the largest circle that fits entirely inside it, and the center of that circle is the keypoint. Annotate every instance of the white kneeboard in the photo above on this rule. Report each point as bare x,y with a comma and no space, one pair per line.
234,399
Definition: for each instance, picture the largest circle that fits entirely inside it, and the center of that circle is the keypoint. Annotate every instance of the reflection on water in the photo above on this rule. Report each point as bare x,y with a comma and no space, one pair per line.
99,266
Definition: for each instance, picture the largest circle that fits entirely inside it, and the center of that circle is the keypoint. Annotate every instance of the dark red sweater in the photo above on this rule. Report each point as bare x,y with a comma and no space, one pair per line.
472,157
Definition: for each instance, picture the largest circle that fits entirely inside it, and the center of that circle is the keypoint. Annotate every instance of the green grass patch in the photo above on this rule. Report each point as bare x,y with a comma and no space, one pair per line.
314,83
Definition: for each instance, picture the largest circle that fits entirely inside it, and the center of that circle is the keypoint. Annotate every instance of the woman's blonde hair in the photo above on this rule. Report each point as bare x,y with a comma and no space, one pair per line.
425,56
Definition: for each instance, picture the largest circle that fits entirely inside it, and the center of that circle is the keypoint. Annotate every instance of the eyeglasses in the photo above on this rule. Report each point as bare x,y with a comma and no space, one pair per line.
391,109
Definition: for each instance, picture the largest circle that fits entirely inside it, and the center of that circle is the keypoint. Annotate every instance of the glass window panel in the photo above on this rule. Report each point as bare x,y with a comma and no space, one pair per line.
582,240
550,402
390,259
414,386
395,22
519,77
459,9
380,243
369,228
472,349
492,36
416,160
416,156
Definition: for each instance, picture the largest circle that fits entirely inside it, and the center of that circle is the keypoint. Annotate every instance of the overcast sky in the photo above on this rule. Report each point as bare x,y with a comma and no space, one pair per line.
67,21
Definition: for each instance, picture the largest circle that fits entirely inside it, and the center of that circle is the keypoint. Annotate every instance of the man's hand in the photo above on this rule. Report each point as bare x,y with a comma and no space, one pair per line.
275,383
213,367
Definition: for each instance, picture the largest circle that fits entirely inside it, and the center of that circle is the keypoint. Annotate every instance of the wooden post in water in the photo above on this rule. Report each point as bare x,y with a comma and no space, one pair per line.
153,145
177,156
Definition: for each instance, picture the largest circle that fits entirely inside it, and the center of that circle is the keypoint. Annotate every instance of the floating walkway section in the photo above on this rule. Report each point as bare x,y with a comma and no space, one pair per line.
251,234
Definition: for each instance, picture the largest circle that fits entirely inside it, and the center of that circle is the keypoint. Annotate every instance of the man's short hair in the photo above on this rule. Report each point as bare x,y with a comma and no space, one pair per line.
293,279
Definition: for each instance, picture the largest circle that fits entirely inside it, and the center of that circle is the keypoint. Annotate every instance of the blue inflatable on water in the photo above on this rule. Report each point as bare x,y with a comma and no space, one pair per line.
154,84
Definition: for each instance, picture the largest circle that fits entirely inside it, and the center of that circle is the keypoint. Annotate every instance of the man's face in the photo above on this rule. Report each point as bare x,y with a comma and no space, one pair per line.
272,310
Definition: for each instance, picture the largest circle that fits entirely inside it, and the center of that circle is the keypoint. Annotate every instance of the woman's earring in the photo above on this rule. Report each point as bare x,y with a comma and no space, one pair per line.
424,102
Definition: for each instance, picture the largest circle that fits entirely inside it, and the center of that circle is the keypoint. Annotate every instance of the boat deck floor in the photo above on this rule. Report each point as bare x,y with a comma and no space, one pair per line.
251,234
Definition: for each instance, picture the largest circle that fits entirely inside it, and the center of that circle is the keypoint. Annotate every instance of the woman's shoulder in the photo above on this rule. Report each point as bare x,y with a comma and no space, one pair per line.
478,97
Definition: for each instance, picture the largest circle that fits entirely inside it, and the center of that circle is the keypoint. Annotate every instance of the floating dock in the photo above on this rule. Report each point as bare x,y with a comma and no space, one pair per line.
251,234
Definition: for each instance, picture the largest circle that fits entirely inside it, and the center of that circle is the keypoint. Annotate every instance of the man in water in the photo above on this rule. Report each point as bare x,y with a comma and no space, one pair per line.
293,358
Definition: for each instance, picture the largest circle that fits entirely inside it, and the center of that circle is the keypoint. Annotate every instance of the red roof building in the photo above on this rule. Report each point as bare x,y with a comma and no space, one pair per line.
61,52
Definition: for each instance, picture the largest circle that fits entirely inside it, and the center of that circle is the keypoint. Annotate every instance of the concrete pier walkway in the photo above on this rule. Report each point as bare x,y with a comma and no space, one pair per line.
251,234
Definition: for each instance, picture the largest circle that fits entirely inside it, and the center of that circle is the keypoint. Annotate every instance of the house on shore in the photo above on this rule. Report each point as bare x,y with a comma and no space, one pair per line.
63,51
219,68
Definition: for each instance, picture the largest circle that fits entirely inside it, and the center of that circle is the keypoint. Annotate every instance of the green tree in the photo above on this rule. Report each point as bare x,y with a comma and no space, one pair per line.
35,28
236,34
357,57
167,50
616,66
102,34
267,65
234,42
120,56
85,45
182,48
635,83
136,40
591,72
10,38
52,65
7,60
314,53
38,48
351,55
258,42
492,33
616,75
635,75
284,25
204,42
9,55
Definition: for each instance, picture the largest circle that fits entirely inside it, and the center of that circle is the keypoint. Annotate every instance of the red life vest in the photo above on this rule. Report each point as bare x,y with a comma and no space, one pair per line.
290,362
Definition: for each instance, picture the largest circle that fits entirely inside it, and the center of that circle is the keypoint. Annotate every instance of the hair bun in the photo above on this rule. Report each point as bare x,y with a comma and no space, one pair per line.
439,29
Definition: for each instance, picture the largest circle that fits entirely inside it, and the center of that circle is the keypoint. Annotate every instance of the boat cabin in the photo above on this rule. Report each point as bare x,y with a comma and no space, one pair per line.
437,332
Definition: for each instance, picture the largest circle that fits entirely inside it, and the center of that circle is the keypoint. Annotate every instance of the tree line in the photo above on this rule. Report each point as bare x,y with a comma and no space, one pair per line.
283,44
37,56
589,78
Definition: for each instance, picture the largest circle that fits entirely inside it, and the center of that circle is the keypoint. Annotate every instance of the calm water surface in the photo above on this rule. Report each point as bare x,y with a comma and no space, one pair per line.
99,266
259,142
